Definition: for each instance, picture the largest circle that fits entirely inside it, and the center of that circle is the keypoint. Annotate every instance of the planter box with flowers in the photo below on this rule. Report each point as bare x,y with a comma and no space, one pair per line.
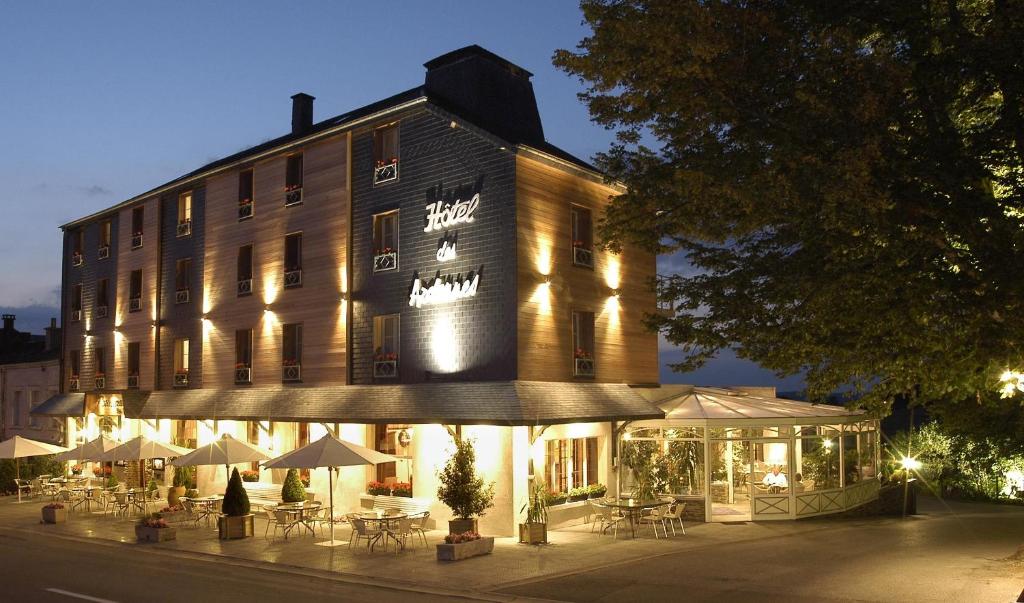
250,475
581,255
293,194
385,171
174,514
181,379
464,546
243,374
385,259
154,528
136,240
77,258
55,513
291,370
584,366
133,381
244,209
385,366
101,381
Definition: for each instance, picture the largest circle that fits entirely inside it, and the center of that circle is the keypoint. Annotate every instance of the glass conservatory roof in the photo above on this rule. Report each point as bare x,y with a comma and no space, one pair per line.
720,406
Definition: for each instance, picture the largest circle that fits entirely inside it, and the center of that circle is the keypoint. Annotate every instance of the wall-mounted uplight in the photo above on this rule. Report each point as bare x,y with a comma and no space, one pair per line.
343,296
615,293
87,334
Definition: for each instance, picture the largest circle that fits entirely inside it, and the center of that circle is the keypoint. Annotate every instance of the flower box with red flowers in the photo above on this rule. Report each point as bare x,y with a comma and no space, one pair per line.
385,171
385,259
77,258
291,370
403,489
55,513
378,489
243,373
584,363
293,194
244,208
582,255
76,470
464,546
154,528
181,378
385,365
136,240
250,475
100,380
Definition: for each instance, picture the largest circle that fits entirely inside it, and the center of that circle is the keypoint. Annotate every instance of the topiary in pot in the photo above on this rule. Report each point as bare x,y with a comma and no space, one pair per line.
292,490
462,491
236,520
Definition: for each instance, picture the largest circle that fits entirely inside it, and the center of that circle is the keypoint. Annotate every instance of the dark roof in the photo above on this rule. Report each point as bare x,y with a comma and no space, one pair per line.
474,50
62,405
483,403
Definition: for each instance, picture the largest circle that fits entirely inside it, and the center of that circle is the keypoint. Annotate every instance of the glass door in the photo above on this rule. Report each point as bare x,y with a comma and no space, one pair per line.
730,467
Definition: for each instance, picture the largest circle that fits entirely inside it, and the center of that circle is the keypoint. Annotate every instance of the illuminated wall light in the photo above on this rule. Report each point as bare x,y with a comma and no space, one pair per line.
444,343
270,287
612,271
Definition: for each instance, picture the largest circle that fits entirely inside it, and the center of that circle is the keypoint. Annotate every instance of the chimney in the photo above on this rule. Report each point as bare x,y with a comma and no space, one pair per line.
302,113
52,336
8,323
487,90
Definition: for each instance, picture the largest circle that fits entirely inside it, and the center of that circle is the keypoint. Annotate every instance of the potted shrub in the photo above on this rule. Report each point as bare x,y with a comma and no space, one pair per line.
463,546
462,491
54,513
181,481
597,490
378,489
535,529
292,491
154,528
250,475
235,520
112,481
402,489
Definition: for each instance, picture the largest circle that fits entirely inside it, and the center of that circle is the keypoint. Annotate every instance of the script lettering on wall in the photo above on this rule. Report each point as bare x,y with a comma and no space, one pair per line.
443,289
447,208
446,247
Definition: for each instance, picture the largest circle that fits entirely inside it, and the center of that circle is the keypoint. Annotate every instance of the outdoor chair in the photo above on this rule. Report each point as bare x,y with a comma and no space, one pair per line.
121,503
24,487
606,518
419,526
278,519
654,517
191,513
36,487
360,531
402,533
674,516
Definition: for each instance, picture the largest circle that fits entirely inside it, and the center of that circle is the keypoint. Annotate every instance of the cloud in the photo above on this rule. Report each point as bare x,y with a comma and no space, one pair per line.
95,190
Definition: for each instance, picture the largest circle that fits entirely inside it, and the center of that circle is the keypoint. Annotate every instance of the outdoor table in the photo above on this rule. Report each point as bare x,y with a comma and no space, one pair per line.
86,499
385,530
632,508
205,504
300,509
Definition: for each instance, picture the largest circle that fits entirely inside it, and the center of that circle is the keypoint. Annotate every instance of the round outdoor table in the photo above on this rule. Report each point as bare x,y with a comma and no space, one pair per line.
303,511
205,504
385,521
632,508
87,497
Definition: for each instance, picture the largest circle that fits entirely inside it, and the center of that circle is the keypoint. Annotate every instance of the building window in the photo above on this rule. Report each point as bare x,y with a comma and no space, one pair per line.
293,260
583,343
182,280
181,362
185,214
385,154
245,201
571,463
243,356
133,364
106,233
77,243
291,353
394,440
385,241
385,346
244,270
138,220
76,302
75,359
582,237
100,373
135,291
102,297
293,180
33,401
16,411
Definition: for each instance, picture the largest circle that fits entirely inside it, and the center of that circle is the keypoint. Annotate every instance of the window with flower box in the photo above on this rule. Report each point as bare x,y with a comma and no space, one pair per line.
100,374
185,214
245,270
76,302
293,180
293,260
182,281
75,362
135,291
245,199
102,298
133,365
77,243
570,464
583,344
243,356
582,237
385,346
106,233
291,352
181,362
385,154
385,241
138,222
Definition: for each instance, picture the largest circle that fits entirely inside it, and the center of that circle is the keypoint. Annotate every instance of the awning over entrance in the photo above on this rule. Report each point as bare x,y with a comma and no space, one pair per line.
473,403
62,405
733,407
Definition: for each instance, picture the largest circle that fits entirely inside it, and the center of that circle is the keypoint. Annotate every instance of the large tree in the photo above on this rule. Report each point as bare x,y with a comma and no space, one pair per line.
844,177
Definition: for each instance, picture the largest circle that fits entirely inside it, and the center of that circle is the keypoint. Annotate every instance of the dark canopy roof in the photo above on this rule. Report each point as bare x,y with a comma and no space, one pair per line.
482,403
62,405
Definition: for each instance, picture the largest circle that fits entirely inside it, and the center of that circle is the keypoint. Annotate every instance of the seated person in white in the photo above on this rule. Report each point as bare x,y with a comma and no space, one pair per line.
776,478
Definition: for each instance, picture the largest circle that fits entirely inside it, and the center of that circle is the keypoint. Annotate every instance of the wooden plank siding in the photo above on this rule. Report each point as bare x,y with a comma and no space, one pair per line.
135,326
625,352
322,219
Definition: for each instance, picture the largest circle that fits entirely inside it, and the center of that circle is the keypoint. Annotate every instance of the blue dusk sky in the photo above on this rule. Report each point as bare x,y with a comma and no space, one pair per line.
100,101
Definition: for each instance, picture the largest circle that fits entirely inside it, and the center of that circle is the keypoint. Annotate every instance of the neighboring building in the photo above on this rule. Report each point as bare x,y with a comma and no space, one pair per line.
29,375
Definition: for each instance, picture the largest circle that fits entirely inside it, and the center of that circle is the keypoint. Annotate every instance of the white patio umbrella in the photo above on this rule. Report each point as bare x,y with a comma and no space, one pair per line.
140,449
226,451
329,452
19,447
89,451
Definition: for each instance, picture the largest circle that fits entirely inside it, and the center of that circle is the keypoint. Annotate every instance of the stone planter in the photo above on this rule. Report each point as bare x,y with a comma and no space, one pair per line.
148,534
173,494
51,515
533,533
465,550
458,526
231,528
174,516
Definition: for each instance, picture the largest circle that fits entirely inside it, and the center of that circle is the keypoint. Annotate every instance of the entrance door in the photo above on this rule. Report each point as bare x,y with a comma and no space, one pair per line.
731,487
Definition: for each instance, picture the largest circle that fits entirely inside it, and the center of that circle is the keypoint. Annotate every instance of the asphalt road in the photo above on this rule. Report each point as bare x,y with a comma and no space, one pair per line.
63,571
